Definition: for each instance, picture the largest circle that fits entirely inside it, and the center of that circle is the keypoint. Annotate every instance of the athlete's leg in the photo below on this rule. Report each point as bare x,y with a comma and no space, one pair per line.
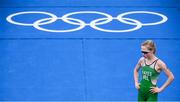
141,96
152,97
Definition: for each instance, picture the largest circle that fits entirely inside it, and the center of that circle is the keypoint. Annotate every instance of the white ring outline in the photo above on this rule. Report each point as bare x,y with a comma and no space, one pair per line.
37,26
66,16
164,18
138,26
9,18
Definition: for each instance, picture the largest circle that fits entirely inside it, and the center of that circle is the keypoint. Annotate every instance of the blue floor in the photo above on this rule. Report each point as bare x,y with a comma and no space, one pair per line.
87,64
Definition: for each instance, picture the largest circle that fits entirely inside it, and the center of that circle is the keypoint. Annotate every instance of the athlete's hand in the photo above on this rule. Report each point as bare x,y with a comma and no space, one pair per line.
137,85
155,90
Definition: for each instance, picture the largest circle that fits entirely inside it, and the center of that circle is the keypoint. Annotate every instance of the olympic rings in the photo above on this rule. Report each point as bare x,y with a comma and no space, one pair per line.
81,24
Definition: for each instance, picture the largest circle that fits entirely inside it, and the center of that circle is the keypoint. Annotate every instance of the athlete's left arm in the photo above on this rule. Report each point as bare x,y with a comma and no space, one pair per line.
170,76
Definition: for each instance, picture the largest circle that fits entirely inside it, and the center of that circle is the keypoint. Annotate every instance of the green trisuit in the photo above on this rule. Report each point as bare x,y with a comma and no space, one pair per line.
149,79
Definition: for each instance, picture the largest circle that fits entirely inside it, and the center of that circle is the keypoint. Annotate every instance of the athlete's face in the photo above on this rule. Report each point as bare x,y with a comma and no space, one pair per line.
146,53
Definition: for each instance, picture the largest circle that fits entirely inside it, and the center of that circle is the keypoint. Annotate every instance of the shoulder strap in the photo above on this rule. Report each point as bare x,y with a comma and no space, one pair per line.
155,63
145,61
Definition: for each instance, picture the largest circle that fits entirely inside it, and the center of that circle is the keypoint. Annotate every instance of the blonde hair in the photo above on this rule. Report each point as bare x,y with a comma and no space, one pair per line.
150,45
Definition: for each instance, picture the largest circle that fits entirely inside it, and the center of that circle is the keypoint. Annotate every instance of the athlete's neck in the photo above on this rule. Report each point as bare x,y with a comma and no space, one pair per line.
151,57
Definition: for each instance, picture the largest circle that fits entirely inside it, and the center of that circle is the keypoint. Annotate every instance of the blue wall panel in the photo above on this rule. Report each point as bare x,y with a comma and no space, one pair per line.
41,70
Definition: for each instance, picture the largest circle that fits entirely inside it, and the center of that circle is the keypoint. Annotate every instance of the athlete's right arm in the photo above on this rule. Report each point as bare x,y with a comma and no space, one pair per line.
136,75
